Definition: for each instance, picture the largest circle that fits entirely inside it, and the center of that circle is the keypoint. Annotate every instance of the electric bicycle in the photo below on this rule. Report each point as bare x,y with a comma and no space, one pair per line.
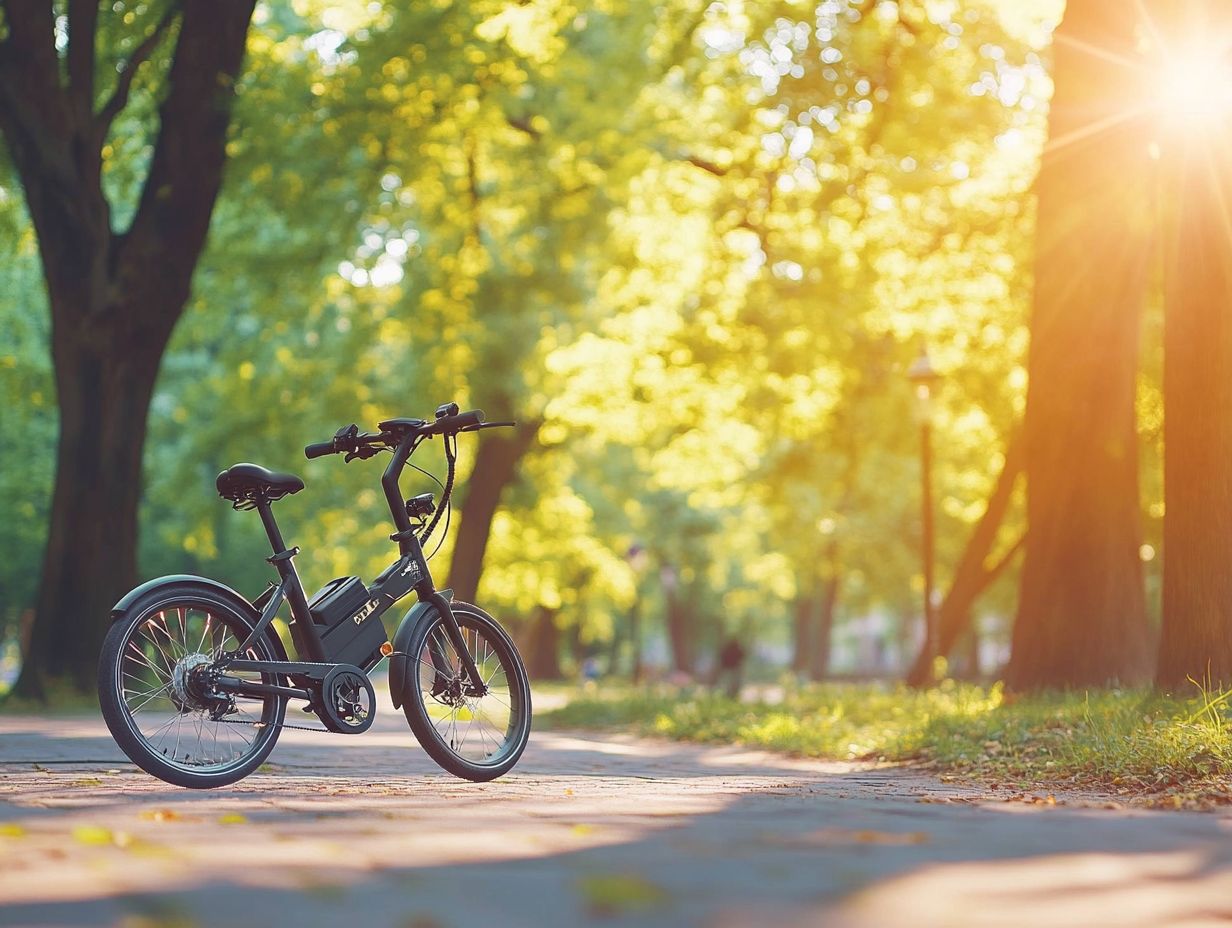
194,679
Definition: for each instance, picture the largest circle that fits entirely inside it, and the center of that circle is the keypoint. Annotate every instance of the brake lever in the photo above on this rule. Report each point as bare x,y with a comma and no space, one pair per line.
363,452
488,425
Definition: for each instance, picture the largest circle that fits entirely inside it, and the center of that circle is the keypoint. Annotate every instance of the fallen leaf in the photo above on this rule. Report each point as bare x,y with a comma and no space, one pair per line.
92,834
617,894
11,830
159,815
98,835
232,818
582,829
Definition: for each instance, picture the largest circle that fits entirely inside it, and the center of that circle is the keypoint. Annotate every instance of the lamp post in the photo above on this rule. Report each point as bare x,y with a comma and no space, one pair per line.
924,378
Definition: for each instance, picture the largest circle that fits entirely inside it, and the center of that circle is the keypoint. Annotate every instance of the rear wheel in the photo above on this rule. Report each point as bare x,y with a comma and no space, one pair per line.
474,735
153,691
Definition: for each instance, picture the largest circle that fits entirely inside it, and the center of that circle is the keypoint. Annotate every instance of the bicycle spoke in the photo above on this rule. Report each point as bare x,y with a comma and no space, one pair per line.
476,728
149,698
146,661
156,674
170,661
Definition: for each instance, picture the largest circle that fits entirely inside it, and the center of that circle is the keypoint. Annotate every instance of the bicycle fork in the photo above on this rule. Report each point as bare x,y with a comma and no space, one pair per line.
440,660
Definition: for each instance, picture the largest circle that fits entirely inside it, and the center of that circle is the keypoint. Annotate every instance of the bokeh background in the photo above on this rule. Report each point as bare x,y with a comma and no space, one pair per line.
693,248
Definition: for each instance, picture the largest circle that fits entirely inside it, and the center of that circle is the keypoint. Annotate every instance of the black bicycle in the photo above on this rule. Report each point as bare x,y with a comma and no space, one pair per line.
194,679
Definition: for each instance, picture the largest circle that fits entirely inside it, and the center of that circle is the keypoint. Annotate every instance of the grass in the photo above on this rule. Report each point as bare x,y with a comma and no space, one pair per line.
1136,745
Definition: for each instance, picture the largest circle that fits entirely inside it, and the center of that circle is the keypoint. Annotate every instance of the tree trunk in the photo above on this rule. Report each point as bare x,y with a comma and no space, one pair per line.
974,574
819,658
1196,639
543,661
804,611
91,549
635,638
496,463
1081,614
114,296
679,627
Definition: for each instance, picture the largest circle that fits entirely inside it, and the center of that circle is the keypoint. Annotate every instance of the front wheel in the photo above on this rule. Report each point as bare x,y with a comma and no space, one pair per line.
154,694
474,736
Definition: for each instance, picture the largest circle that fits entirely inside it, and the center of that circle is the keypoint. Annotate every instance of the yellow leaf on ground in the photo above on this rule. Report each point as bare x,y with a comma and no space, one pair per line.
98,835
616,894
92,834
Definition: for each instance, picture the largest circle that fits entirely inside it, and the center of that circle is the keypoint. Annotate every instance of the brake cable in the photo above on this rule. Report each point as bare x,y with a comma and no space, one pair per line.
451,457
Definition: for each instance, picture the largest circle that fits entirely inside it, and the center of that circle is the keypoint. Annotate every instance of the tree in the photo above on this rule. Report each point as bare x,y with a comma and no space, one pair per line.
976,570
1081,617
114,295
1196,640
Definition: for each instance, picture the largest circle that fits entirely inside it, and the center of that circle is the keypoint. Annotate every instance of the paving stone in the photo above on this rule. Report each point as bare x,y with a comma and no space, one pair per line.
589,829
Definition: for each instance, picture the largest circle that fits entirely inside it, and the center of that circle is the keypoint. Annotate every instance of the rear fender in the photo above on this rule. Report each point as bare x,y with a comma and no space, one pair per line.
399,661
128,600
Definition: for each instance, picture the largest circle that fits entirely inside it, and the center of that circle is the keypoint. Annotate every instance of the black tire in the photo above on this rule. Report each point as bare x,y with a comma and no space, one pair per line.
164,633
502,716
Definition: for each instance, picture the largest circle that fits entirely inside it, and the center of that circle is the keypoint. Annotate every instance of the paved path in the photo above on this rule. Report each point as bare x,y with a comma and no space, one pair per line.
589,830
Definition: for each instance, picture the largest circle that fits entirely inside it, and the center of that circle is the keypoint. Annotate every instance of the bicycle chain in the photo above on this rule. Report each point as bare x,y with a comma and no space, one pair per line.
283,725
291,724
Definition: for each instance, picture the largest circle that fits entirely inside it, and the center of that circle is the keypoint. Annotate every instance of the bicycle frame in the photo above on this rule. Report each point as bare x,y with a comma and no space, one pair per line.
409,572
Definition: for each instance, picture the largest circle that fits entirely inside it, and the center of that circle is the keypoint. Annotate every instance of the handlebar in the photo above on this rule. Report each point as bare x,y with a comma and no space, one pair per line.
350,440
319,449
456,423
402,437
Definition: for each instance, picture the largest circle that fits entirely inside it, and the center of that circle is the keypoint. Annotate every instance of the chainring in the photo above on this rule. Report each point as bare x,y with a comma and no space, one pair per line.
348,701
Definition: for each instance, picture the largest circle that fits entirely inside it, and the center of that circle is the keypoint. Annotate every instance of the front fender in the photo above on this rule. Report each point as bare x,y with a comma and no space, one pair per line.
398,677
241,602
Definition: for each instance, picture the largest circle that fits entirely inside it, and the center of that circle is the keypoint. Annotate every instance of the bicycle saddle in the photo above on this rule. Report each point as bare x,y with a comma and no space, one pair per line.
245,482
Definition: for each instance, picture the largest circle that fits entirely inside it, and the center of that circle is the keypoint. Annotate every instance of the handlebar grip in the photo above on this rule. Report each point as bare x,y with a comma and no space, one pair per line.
468,419
319,449
453,423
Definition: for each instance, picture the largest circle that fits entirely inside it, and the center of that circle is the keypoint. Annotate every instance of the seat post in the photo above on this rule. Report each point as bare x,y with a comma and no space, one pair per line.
271,527
307,640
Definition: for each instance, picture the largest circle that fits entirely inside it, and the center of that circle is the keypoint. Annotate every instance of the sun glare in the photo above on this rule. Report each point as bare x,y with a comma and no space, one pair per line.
1195,86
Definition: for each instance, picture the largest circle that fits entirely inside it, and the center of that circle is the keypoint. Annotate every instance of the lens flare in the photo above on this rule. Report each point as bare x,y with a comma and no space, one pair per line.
1195,86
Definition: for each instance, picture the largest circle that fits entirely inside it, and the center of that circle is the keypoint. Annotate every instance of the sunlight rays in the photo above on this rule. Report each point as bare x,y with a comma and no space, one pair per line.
1183,77
1093,128
1098,51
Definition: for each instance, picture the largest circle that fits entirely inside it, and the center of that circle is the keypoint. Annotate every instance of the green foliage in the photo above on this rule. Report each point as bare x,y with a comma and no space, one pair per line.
697,243
1164,750
27,408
